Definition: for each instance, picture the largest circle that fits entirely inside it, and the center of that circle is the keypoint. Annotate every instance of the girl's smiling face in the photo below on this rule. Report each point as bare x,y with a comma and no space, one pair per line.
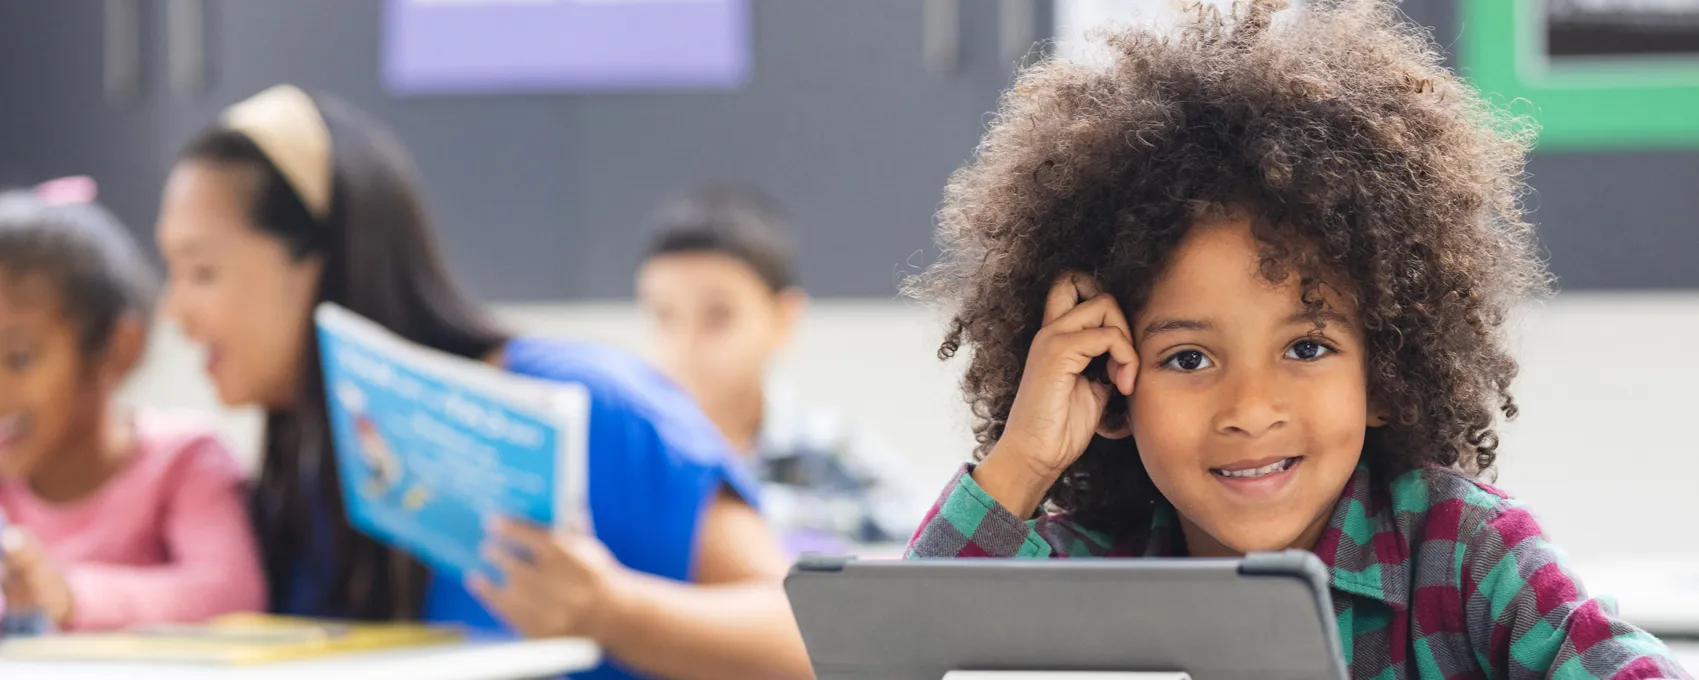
45,390
233,288
1248,415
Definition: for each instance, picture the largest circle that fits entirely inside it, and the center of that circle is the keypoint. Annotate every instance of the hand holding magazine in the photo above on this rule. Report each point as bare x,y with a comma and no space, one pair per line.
430,445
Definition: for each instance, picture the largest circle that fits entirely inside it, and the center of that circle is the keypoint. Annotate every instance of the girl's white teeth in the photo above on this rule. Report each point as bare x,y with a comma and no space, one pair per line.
1269,469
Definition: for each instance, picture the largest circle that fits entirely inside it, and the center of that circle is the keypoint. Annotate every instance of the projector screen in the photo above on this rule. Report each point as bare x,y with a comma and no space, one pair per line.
506,46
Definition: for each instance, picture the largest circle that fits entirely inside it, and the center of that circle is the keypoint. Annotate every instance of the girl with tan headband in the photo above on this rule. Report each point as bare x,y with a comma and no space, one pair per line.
291,200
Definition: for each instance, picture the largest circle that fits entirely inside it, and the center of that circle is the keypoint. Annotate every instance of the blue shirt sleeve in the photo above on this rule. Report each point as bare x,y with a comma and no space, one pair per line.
656,462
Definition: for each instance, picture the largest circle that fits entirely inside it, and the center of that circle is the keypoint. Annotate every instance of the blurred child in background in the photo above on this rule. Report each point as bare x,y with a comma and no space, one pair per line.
112,518
719,286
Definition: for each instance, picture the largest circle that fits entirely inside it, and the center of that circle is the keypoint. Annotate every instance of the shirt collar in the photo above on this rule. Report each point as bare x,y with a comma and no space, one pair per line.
1361,546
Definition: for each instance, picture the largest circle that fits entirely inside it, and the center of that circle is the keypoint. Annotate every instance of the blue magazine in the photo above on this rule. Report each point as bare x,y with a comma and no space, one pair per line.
429,445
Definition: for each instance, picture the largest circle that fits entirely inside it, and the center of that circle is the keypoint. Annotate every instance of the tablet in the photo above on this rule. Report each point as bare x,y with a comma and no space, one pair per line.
1266,616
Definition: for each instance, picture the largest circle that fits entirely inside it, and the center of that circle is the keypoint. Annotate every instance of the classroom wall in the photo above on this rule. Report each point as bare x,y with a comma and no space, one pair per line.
842,120
1608,391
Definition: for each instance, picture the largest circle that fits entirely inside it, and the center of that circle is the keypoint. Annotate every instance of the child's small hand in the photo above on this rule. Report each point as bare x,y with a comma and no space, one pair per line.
555,584
29,579
1056,409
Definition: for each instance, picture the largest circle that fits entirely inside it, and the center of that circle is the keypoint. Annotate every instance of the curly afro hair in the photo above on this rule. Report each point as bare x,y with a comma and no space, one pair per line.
1366,162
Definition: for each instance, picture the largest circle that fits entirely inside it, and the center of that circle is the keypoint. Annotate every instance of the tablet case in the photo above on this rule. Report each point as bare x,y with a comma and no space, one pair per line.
1266,616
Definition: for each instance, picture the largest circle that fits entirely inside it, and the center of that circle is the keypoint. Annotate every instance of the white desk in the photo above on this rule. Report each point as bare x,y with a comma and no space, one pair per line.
466,661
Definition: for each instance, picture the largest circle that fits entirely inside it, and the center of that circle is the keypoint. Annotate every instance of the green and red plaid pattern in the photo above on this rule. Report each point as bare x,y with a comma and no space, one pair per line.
1433,576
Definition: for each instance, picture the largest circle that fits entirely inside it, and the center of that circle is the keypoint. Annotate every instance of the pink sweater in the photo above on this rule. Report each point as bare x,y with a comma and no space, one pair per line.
166,540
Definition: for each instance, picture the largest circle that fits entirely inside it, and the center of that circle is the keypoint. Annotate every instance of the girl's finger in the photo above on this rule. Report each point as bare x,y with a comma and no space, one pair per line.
21,551
1064,295
504,560
522,533
529,541
504,602
536,582
1078,348
1100,392
1127,377
1101,311
1085,287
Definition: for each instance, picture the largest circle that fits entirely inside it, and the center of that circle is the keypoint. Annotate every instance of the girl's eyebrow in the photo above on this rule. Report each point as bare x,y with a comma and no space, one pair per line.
191,246
1318,318
14,333
1159,326
197,244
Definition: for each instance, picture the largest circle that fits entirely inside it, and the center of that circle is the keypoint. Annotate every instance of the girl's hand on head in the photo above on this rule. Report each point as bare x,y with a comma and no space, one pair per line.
29,579
553,584
1057,409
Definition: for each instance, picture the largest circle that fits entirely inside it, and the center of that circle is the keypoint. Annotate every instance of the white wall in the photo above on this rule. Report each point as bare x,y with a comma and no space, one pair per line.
1604,452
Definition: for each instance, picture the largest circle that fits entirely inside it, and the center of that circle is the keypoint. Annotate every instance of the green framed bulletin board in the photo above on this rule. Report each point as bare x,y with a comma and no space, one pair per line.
1593,73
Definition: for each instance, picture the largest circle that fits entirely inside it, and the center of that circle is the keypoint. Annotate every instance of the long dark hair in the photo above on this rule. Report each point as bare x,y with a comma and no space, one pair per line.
381,260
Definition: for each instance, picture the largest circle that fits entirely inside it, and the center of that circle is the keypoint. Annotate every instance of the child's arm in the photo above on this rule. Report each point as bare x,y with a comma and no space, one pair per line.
213,565
1056,412
731,621
968,522
1533,619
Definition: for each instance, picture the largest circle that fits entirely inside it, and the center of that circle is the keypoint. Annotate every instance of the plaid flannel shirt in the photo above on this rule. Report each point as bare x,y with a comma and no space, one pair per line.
1433,576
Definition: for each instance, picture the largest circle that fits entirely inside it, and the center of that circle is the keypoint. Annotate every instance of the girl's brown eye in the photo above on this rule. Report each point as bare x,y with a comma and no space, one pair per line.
1308,350
18,361
1188,360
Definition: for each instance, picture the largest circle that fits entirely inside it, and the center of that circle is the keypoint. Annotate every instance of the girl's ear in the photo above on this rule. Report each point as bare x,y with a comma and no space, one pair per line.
792,303
1122,431
1116,423
1377,415
306,276
124,351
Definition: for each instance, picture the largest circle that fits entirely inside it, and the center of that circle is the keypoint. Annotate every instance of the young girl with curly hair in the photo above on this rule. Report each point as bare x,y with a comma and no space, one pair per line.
1243,289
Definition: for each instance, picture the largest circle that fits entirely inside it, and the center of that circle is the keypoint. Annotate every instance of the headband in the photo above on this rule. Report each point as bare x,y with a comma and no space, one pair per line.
287,127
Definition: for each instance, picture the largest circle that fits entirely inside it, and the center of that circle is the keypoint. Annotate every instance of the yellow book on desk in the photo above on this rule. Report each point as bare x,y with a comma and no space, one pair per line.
230,640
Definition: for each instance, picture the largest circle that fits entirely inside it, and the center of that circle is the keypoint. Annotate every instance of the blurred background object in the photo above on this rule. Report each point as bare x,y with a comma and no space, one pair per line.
853,114
1599,73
